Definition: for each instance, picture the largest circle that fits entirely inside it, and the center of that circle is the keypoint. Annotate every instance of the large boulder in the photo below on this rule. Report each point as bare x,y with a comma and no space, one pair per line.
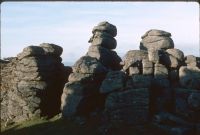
42,49
172,58
178,54
105,27
134,58
89,65
108,58
157,39
103,39
79,98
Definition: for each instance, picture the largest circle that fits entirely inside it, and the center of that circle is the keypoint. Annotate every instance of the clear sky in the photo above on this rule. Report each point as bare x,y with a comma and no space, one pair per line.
69,24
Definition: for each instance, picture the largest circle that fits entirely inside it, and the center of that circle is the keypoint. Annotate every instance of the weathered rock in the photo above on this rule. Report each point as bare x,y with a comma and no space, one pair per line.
108,58
189,77
103,39
89,65
78,98
173,62
153,41
147,67
128,107
32,83
178,54
134,58
82,94
69,104
170,61
105,27
115,80
156,39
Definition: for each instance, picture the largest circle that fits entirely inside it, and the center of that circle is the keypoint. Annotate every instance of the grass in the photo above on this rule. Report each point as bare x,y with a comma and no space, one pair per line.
59,126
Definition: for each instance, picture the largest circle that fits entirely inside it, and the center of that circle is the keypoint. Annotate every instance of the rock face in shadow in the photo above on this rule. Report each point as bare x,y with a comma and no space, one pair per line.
32,83
128,107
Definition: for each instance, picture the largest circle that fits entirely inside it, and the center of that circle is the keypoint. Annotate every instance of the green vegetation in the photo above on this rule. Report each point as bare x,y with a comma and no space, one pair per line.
59,126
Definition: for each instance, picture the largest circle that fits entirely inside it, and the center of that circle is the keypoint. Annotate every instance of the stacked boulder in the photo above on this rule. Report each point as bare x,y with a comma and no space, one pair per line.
102,45
81,94
37,77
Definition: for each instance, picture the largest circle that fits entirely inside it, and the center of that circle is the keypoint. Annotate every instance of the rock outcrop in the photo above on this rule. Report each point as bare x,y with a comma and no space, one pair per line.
154,81
32,83
81,95
155,84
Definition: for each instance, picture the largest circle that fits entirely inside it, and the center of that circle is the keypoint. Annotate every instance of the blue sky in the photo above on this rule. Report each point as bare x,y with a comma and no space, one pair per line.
69,24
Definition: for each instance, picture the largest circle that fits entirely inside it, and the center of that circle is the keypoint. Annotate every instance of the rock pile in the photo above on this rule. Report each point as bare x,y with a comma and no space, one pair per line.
81,94
32,83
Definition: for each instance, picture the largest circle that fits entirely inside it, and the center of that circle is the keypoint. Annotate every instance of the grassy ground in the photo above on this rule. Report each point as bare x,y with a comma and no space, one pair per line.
59,126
